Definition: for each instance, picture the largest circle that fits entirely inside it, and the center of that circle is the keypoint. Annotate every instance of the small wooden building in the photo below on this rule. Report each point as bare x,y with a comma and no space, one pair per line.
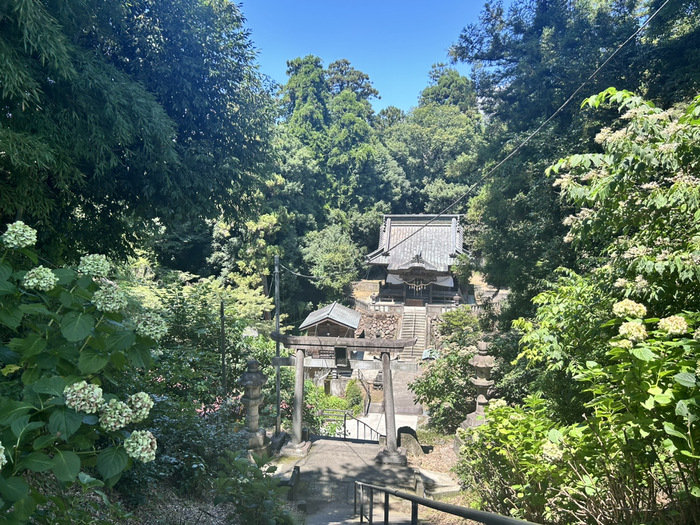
333,320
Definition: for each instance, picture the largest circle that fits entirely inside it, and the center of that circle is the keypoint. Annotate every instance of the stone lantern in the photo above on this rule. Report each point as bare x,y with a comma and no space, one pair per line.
252,381
483,364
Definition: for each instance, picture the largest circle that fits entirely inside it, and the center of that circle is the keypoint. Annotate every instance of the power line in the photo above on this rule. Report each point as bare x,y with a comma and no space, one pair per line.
310,277
531,135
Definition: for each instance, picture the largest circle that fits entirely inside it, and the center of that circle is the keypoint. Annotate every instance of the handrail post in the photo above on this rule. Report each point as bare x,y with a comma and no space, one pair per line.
354,499
370,519
362,503
345,422
386,508
414,513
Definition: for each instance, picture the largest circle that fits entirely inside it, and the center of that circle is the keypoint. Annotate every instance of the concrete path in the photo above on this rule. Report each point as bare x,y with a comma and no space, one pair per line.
328,473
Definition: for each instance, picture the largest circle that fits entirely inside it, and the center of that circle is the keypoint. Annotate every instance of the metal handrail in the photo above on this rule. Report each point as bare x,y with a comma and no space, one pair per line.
336,413
487,518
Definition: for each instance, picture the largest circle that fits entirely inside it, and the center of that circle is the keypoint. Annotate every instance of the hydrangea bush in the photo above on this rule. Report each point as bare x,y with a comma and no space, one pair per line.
618,341
65,341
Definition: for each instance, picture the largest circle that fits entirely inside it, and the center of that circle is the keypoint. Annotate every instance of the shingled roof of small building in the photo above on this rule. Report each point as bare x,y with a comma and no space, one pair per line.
429,241
334,312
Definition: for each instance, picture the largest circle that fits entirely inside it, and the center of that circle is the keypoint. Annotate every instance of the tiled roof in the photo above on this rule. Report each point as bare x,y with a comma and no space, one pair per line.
335,312
407,241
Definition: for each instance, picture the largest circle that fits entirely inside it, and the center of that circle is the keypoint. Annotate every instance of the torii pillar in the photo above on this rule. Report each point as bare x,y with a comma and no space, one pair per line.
297,447
391,454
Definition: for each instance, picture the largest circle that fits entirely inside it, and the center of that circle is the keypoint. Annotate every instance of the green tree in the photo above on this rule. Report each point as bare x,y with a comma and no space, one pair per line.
448,87
341,76
101,135
305,101
332,258
527,60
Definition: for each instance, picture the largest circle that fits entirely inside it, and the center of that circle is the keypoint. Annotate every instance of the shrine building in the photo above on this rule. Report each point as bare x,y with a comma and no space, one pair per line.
415,256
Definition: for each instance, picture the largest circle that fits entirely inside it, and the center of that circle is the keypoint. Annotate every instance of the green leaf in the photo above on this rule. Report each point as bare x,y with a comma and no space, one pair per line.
65,275
43,442
10,316
90,419
111,462
35,309
7,288
139,356
22,424
643,354
121,340
695,491
682,408
13,489
5,271
28,346
52,386
66,465
37,462
686,379
76,326
670,429
88,481
64,422
554,435
91,361
66,299
9,410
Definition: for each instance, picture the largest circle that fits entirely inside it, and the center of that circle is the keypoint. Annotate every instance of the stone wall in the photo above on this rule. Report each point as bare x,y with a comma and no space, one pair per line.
377,324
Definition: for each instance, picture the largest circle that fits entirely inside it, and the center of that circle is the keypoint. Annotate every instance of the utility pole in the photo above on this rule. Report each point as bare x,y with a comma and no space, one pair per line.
222,345
278,421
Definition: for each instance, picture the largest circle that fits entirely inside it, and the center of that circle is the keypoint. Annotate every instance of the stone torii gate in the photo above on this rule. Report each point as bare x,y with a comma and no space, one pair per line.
313,345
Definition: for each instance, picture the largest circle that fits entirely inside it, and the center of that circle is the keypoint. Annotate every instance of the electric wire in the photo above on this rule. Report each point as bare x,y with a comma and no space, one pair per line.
531,135
310,277
516,149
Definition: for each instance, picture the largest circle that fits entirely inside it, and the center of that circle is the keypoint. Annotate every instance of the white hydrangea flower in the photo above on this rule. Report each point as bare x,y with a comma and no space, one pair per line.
633,331
151,325
95,265
628,308
40,278
140,404
673,325
83,397
620,283
19,235
109,299
3,458
141,445
115,415
551,451
622,343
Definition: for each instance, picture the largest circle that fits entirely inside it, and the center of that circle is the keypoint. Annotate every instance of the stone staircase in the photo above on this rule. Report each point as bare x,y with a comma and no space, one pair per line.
413,325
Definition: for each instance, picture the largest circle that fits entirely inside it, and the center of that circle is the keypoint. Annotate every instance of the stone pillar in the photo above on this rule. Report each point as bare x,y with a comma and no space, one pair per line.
389,410
297,447
252,381
483,364
298,413
391,454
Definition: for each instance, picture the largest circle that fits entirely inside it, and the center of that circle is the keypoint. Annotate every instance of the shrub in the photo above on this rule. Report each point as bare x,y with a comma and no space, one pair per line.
61,357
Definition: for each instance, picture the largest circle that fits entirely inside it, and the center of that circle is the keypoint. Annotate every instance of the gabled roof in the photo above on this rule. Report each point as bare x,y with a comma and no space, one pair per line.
333,312
429,242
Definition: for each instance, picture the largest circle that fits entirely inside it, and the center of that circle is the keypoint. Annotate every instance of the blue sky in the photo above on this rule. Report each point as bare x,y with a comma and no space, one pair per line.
394,41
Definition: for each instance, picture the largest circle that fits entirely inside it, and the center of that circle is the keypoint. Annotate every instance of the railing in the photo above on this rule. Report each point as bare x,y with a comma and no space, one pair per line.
416,501
334,415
